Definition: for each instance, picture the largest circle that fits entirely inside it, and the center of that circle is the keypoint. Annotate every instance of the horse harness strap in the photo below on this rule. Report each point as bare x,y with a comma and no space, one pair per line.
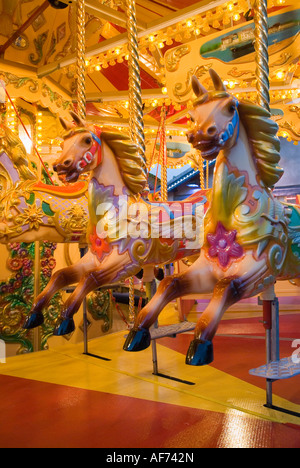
231,127
89,156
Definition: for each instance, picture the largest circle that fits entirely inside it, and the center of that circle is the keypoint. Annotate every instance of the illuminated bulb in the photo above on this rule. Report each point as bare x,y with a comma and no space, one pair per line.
151,38
280,75
118,51
165,90
230,7
237,17
189,24
97,68
161,45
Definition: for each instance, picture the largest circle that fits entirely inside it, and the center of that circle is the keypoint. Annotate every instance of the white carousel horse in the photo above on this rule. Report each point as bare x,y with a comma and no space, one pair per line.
251,240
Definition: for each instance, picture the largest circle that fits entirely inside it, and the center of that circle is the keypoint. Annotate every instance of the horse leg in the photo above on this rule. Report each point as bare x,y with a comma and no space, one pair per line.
192,281
227,292
89,282
60,279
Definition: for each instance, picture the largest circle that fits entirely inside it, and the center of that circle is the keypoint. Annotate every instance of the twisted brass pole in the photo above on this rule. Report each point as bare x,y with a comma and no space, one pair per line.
201,170
136,117
262,53
135,90
163,157
81,96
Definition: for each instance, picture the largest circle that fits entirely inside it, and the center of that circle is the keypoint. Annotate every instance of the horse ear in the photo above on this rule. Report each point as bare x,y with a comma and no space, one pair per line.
79,122
217,81
66,124
198,88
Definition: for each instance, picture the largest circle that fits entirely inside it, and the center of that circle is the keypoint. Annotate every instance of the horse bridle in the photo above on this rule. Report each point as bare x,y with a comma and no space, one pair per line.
231,127
90,155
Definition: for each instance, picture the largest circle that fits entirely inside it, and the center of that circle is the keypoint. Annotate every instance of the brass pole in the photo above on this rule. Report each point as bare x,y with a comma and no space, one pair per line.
135,90
201,170
136,117
262,53
81,93
163,158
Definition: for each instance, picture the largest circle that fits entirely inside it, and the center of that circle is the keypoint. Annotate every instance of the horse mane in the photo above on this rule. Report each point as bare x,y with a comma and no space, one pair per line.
131,165
15,150
262,133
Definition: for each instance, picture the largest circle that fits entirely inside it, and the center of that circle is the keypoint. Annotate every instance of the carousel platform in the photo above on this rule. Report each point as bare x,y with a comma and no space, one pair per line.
64,398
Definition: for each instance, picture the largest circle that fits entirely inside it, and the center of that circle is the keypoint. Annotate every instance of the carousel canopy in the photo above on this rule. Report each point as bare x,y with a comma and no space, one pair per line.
177,38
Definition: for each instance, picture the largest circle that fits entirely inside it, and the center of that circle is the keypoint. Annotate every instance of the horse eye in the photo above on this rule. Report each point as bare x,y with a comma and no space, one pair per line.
88,141
232,108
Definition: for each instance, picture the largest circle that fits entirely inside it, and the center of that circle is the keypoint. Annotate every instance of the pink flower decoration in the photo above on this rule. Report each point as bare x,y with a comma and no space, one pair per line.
223,245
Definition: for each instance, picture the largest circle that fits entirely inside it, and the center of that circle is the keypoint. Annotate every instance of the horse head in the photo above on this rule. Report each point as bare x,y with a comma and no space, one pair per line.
215,118
81,149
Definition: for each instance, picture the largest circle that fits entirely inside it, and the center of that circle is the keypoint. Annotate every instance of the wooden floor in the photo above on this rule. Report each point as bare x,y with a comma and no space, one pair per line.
63,398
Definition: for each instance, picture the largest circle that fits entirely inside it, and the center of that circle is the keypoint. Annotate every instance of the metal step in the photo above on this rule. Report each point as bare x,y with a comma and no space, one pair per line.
278,370
171,330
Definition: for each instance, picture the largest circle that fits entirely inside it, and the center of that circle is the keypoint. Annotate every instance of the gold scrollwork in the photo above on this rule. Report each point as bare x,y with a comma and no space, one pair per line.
283,60
173,57
180,91
236,73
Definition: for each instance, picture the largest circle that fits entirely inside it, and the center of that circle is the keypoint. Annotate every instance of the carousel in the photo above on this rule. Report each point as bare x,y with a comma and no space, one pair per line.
150,225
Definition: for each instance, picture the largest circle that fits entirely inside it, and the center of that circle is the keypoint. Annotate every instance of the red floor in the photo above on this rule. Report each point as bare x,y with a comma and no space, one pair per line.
54,416
36,414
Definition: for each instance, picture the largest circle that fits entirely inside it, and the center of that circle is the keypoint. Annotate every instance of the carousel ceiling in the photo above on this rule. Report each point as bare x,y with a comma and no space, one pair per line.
38,43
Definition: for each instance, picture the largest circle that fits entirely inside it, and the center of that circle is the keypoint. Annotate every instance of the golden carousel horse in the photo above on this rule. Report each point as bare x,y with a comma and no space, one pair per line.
126,232
31,210
251,240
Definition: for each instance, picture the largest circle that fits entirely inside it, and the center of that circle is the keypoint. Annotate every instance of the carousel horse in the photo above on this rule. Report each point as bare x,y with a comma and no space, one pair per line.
31,210
251,239
126,232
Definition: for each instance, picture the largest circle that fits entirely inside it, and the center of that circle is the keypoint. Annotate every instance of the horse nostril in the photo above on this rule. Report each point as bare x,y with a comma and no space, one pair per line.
190,137
67,163
55,167
212,130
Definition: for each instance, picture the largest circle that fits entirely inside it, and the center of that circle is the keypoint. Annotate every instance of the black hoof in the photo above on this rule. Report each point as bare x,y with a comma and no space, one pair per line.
34,320
137,340
200,353
66,327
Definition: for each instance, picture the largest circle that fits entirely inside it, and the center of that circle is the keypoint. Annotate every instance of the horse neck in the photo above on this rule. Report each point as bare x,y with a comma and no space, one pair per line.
235,179
108,173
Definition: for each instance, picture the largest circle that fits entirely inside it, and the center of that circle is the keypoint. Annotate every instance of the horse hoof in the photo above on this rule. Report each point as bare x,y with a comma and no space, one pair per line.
200,353
34,320
66,327
137,340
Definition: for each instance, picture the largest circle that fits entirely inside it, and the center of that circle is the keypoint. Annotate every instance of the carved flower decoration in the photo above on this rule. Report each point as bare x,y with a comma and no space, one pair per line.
223,245
32,216
100,247
14,264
